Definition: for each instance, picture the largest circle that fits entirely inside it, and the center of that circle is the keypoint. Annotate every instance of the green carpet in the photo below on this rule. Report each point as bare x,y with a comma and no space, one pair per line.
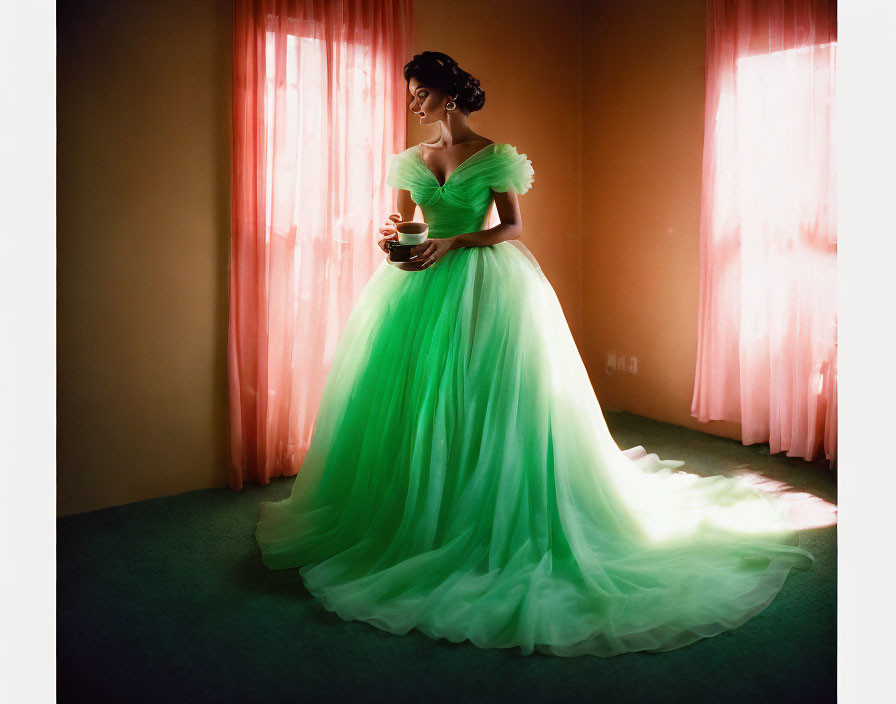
167,600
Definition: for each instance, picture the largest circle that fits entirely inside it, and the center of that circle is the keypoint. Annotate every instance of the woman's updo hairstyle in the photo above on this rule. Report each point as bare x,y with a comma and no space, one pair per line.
438,70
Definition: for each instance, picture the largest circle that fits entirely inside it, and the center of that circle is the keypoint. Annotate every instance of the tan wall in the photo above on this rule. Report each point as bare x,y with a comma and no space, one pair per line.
642,145
143,205
143,208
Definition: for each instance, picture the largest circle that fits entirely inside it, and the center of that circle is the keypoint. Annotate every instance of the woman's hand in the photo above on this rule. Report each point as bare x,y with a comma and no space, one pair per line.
426,254
387,229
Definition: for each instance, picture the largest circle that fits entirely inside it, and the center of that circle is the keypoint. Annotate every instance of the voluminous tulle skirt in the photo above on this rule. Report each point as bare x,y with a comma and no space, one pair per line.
462,481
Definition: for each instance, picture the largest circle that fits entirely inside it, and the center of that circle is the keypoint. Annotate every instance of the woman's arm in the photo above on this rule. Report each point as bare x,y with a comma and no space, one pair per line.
510,228
406,205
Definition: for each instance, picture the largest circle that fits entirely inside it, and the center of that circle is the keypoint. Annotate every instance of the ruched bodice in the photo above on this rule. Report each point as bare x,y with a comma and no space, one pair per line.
462,203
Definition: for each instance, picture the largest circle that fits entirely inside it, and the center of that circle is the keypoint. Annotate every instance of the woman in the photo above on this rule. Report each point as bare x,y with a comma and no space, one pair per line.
461,479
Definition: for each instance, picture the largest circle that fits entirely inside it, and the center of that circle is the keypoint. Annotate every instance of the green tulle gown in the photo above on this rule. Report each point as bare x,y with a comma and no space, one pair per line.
462,481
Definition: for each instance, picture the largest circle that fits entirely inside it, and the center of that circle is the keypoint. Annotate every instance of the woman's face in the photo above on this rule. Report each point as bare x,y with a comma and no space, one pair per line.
428,103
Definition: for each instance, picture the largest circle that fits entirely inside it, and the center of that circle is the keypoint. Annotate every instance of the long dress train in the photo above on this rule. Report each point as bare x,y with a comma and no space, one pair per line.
462,481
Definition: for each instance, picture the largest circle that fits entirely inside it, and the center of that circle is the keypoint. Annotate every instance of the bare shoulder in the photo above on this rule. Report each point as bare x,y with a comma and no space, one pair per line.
472,145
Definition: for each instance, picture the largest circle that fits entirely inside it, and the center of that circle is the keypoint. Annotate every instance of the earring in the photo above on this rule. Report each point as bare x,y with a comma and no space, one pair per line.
450,105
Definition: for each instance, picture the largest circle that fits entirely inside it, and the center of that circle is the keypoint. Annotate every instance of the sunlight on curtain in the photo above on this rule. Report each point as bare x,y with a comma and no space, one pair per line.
319,107
301,212
768,318
784,104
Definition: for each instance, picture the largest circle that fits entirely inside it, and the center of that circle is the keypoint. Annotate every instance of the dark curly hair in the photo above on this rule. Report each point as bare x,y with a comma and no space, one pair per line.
438,70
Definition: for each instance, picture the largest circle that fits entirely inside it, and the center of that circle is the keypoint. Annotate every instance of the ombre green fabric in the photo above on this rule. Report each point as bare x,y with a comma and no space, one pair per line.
461,479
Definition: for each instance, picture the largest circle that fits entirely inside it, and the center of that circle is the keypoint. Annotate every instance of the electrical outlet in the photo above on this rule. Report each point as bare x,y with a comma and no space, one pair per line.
611,362
632,365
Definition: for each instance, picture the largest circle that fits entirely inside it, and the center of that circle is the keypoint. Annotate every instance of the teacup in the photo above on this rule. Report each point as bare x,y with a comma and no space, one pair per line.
410,234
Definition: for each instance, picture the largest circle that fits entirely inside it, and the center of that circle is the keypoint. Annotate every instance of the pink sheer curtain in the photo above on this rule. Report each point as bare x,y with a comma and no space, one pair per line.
318,108
767,331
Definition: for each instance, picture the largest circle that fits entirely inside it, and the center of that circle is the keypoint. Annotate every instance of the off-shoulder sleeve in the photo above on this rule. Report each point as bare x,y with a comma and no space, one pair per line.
512,172
400,171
